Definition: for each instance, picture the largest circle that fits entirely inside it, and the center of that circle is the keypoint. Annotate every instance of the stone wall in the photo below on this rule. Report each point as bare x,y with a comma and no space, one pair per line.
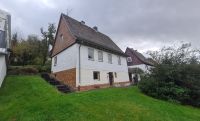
68,77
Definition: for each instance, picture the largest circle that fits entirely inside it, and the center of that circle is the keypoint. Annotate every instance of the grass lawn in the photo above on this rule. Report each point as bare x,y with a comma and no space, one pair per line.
30,98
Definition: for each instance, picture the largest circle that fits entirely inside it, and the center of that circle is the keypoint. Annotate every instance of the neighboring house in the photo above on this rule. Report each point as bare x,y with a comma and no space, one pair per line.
5,31
84,58
136,62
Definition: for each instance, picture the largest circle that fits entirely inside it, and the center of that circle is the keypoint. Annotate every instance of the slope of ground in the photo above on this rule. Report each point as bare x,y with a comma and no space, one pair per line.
30,98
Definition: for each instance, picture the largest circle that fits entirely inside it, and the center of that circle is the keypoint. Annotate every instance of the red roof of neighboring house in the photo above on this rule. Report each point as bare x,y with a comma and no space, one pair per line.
137,58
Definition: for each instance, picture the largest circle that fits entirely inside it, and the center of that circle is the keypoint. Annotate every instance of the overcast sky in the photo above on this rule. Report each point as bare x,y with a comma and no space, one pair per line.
140,24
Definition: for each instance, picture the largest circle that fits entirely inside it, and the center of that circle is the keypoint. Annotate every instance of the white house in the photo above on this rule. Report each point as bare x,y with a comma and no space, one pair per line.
84,58
5,31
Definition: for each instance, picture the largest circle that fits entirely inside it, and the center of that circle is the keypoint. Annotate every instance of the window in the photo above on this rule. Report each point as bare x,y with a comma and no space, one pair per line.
55,60
109,58
96,75
90,54
61,37
115,74
129,59
119,60
100,56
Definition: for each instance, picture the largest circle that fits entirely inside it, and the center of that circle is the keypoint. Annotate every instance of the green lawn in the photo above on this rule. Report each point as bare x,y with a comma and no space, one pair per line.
30,98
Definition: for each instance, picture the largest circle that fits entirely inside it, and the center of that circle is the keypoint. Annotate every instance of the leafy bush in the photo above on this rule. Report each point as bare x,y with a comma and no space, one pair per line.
20,70
176,77
162,90
29,69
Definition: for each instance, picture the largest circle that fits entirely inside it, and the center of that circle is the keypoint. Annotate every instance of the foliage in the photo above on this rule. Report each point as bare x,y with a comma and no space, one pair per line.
25,98
47,40
33,50
21,70
176,76
29,69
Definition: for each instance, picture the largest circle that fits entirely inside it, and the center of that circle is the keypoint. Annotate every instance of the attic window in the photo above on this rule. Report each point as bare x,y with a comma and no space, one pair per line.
129,59
61,37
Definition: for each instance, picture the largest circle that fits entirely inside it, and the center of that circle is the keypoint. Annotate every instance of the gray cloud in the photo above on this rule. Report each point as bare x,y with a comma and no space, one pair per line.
141,24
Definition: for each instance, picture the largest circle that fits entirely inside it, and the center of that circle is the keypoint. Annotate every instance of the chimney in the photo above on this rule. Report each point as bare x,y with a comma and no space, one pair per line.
83,22
95,28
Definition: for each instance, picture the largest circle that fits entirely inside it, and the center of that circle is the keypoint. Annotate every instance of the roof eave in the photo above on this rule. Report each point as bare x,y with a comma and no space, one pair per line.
98,46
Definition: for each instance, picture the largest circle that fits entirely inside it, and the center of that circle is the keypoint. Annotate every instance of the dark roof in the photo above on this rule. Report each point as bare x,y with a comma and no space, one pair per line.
141,57
86,34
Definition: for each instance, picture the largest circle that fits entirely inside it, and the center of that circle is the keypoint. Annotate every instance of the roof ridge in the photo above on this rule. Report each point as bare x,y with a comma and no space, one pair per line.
88,33
85,25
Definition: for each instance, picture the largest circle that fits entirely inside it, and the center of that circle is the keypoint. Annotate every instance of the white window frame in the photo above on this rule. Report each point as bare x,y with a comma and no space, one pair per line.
129,59
119,60
100,56
109,58
91,50
55,60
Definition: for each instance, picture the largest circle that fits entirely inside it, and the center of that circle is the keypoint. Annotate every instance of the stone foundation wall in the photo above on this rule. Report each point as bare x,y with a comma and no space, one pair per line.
68,77
96,86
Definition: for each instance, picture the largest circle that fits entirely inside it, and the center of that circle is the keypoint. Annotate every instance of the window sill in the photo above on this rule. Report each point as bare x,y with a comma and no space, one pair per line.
91,59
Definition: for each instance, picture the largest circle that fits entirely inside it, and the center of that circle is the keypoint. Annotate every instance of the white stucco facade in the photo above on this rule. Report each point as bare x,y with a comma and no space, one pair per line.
69,58
66,59
89,66
3,68
5,35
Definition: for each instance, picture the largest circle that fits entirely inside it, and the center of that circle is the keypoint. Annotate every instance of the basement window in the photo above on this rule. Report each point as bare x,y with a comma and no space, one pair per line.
96,75
90,54
55,60
129,59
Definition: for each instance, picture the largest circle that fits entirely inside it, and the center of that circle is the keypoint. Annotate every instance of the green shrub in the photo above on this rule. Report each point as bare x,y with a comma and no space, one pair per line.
176,76
20,70
162,90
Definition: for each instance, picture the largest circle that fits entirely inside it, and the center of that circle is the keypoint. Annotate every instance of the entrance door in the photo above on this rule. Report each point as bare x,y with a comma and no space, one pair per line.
130,77
111,80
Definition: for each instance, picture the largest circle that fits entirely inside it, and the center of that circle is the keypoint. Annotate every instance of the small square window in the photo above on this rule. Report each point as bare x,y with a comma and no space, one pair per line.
90,54
109,58
129,59
55,60
100,56
96,75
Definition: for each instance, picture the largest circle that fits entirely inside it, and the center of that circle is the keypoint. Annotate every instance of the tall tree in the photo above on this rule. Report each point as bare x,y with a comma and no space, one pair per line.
51,33
14,40
48,39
